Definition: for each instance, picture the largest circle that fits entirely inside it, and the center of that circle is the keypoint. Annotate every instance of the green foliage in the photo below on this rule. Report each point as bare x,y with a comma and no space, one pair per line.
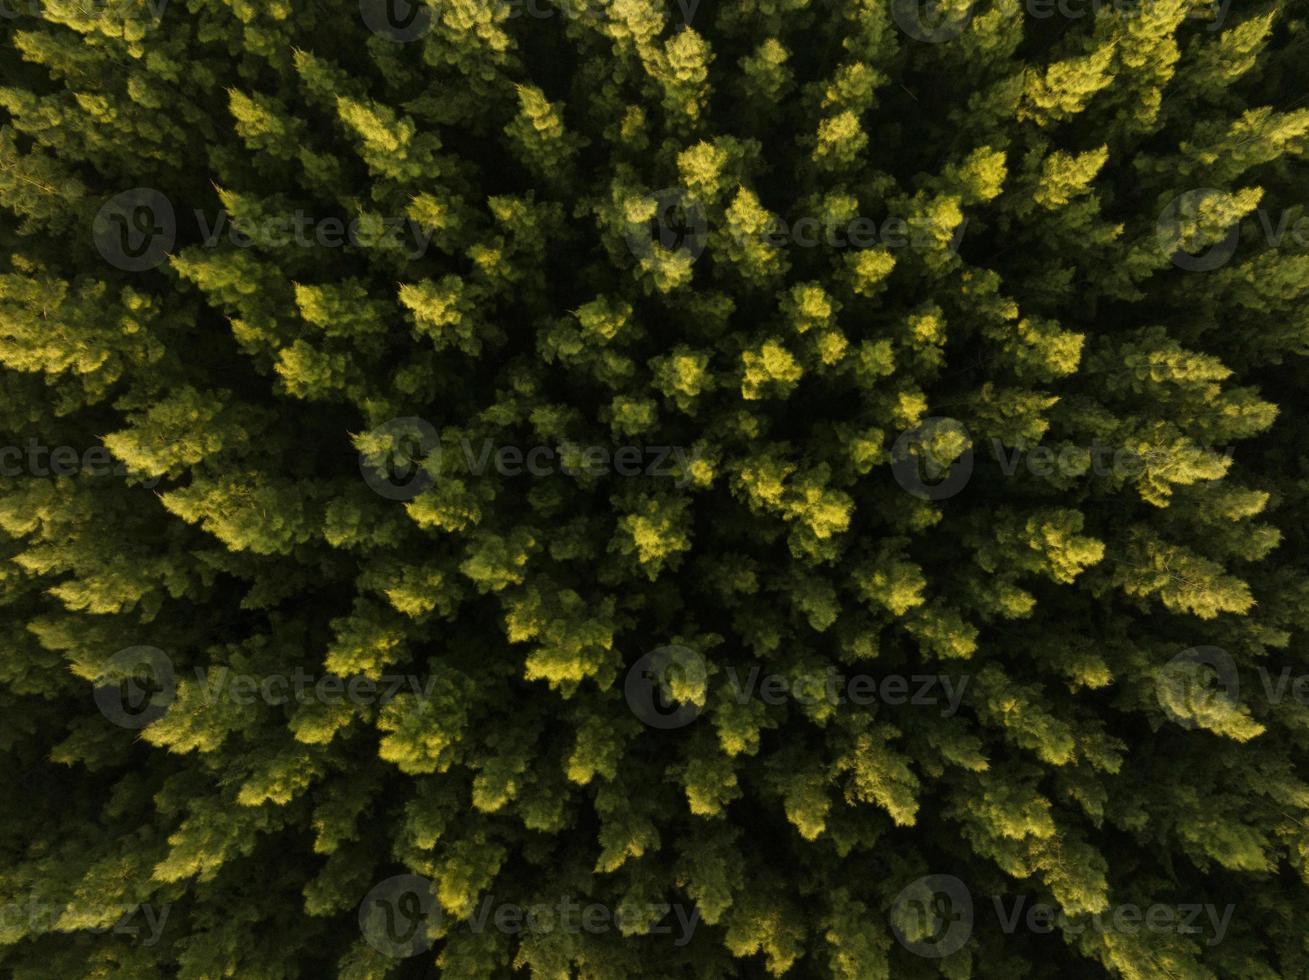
596,367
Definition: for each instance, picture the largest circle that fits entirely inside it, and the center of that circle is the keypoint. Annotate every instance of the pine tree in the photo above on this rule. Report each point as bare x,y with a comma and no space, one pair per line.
455,455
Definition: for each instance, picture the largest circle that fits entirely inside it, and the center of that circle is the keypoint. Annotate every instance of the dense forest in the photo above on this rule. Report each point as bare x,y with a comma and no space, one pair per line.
639,489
